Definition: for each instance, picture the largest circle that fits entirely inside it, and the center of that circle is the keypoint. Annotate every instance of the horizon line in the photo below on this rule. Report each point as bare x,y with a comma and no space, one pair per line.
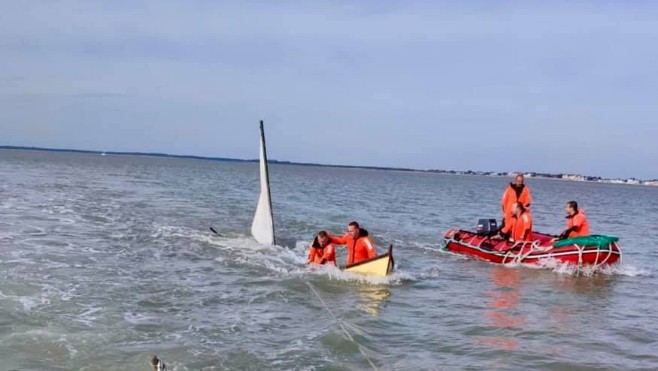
286,162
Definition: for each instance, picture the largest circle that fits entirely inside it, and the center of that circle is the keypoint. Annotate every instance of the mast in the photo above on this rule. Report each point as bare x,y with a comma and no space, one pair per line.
263,225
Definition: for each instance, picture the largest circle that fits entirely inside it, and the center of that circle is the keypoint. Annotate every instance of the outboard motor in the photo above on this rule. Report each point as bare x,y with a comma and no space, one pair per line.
487,227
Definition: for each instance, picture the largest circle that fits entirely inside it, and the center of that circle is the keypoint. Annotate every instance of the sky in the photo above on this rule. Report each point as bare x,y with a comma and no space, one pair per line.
547,86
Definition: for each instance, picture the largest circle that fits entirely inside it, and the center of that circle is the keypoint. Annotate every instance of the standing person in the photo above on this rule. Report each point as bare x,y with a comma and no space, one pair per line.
322,251
515,192
358,243
522,227
577,224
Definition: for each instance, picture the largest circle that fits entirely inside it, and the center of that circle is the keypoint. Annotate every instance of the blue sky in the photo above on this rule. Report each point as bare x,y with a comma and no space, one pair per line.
482,85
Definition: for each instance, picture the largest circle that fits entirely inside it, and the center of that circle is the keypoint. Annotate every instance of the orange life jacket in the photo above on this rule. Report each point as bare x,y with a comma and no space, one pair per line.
358,249
321,255
578,224
511,196
522,228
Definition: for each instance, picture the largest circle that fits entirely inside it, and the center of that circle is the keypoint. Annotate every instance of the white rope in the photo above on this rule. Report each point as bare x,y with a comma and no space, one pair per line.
515,258
342,326
597,264
521,257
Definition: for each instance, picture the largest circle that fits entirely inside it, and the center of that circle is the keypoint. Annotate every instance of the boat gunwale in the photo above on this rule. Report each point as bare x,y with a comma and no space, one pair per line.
388,254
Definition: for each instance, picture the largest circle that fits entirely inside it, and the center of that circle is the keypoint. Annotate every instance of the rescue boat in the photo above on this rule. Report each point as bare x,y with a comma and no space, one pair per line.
379,266
595,251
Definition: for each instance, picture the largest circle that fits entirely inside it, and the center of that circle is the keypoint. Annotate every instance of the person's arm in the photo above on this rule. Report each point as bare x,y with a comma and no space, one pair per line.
528,198
328,253
565,234
503,202
527,227
370,247
338,240
311,255
578,221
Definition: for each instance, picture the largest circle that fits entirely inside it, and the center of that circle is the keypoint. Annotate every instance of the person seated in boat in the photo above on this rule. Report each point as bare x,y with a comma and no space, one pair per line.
522,225
577,224
515,192
358,244
322,251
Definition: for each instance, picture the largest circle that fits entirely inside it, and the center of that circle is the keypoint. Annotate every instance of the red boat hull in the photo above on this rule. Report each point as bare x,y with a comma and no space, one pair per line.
539,250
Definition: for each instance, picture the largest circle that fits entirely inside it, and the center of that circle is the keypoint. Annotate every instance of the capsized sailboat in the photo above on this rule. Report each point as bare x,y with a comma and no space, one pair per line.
262,227
379,266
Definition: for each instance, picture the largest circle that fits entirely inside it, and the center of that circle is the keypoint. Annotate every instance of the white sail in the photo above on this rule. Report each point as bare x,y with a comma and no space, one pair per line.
263,226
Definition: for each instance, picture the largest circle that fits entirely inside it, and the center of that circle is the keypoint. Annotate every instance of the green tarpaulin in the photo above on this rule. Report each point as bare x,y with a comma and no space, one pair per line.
595,240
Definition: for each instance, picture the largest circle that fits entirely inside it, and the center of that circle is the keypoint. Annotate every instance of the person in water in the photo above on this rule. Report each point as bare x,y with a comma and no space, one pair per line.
522,227
358,243
577,224
515,192
322,251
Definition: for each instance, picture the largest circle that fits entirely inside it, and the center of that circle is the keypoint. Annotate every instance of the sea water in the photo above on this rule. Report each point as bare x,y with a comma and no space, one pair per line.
105,260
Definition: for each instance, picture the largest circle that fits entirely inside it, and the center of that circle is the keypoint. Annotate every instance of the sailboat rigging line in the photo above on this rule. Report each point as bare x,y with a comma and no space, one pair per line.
267,175
342,326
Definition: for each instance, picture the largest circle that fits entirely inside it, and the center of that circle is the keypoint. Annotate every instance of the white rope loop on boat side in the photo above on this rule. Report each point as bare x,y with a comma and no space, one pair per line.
510,257
342,326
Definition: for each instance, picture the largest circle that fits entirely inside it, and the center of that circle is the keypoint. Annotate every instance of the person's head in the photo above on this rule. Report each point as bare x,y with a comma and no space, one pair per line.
323,238
518,208
518,180
572,208
353,229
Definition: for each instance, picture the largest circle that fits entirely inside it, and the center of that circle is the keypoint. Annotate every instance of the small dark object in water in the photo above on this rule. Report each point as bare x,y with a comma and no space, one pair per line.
157,364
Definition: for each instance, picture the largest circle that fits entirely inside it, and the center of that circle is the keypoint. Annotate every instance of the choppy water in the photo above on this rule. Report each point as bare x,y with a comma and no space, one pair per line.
105,260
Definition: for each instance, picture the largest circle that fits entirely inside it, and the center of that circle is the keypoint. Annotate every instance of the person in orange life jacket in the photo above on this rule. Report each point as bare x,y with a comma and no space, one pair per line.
322,251
358,244
577,224
515,192
522,227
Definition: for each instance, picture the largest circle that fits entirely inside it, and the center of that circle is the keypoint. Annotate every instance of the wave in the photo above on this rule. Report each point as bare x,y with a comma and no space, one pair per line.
621,269
243,250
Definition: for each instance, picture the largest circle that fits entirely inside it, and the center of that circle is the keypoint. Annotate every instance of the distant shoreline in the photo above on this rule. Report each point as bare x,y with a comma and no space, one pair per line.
569,177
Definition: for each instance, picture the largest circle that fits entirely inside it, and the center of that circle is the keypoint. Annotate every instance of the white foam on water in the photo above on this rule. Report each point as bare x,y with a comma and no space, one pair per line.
334,273
89,316
57,293
276,259
431,273
631,271
31,302
47,342
287,261
587,270
20,261
139,319
7,236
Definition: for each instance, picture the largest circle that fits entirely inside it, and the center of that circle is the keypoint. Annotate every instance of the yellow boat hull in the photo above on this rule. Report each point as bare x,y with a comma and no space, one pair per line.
379,266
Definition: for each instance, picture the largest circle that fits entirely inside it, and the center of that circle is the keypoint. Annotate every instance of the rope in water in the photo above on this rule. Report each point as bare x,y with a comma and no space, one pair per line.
342,326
